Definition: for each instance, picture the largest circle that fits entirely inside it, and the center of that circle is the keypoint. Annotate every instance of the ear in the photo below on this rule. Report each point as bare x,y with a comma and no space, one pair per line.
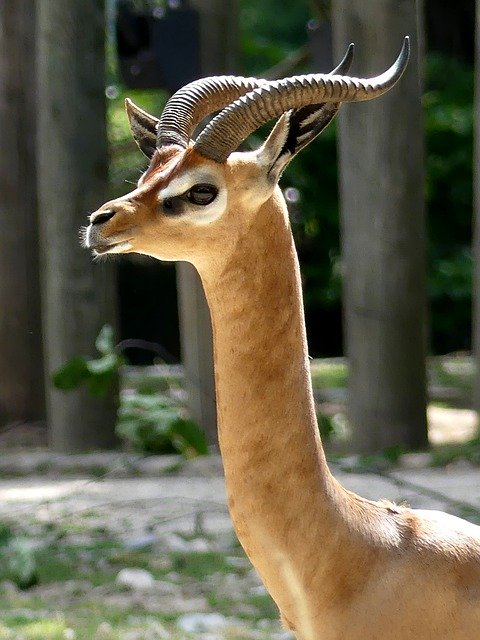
144,128
273,155
293,131
298,127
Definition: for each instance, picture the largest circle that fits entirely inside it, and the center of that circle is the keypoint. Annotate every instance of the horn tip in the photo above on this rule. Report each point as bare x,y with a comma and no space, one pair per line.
346,63
350,52
401,62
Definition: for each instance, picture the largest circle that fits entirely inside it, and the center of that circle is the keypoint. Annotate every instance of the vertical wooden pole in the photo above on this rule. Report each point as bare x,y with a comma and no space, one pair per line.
476,218
22,394
219,41
383,231
78,295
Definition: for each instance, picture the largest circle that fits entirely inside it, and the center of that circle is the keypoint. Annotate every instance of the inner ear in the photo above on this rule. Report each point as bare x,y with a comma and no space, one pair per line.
295,129
144,128
274,154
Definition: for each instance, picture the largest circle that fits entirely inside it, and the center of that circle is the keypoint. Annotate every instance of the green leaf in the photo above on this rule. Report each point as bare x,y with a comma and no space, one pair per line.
99,384
188,438
72,374
105,342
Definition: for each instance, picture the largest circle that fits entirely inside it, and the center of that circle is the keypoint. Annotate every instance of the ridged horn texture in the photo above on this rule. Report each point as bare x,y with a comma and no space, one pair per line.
236,121
196,100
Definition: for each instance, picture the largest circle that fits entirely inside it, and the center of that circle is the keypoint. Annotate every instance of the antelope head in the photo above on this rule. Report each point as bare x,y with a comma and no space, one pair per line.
199,195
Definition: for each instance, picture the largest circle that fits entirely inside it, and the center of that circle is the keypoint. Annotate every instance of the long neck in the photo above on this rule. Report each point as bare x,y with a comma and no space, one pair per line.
264,394
275,468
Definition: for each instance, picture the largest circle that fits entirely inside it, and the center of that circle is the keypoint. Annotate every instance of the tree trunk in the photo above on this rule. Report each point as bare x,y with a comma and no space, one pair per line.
219,48
78,295
383,231
22,394
476,219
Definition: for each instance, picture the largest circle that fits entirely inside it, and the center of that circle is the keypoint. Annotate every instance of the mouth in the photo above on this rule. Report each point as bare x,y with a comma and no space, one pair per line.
115,247
99,246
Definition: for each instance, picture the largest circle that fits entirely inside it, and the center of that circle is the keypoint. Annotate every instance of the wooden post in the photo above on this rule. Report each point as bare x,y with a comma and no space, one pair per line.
383,231
476,219
22,395
77,295
219,39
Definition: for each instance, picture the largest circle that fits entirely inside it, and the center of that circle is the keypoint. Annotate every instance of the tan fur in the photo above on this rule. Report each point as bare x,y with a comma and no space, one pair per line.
339,567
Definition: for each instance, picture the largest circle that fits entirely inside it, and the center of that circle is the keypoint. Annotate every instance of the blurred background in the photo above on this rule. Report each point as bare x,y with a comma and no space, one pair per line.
95,354
113,525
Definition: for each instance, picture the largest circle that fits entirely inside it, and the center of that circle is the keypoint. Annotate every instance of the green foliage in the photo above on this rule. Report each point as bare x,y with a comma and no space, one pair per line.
448,115
329,373
449,135
446,454
96,373
326,426
268,35
149,420
154,423
127,162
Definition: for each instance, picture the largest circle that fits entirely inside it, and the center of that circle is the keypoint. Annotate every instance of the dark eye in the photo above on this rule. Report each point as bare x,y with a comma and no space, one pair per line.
202,194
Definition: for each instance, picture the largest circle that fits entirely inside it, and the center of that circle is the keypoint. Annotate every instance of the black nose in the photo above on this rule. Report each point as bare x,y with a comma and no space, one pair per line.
104,216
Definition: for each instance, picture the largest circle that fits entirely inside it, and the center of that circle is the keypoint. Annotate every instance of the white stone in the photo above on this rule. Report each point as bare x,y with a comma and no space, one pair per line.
158,465
199,545
104,631
174,542
200,622
135,579
349,463
141,542
415,460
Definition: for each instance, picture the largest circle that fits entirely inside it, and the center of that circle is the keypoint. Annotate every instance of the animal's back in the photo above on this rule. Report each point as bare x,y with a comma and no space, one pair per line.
427,588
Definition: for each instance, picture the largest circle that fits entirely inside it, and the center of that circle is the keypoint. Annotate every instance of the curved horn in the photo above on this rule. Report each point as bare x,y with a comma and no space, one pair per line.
346,63
307,122
232,125
198,99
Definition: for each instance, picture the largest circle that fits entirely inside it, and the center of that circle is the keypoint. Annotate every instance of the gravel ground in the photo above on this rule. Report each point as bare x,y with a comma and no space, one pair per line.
172,496
173,509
